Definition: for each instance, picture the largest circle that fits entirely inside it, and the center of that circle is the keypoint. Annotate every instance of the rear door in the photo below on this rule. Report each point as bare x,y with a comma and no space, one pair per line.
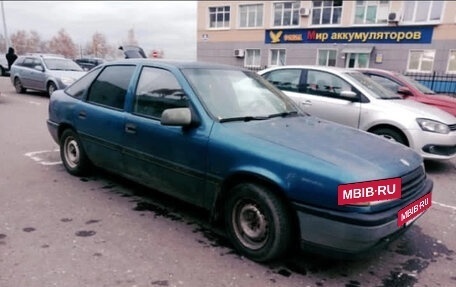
28,73
100,120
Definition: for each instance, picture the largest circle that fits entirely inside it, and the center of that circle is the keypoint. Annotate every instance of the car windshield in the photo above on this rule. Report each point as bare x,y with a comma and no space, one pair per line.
62,65
231,95
422,88
377,90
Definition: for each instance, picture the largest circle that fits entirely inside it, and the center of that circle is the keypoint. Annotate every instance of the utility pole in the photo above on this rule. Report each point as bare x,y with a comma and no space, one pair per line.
4,28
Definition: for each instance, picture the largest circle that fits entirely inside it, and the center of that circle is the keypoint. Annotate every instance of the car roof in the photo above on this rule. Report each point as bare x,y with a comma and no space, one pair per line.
313,67
379,71
181,64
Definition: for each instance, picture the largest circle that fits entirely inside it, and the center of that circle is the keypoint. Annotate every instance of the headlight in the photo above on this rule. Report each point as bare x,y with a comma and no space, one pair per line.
433,126
67,81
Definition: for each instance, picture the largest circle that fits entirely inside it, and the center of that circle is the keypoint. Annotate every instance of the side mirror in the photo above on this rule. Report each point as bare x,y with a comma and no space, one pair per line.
350,95
404,91
176,117
39,68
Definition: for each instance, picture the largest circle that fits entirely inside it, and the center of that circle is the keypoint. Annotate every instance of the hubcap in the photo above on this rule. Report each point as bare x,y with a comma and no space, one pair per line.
250,225
71,152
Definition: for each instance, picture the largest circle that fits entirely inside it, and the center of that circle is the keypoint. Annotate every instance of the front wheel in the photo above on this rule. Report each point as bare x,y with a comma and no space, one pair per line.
51,88
391,135
258,223
72,154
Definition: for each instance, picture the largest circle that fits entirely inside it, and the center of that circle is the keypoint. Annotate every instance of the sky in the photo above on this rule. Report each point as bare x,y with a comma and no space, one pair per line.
162,25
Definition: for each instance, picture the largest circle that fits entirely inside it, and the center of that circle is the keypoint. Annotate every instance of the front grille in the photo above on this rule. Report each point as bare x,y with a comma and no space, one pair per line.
452,127
413,182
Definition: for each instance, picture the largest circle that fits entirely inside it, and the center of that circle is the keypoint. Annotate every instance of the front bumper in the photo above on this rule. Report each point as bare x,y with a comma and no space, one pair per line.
433,145
53,130
350,233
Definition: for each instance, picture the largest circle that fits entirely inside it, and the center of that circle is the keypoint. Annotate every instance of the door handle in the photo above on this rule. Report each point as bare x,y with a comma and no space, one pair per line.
82,115
130,128
306,103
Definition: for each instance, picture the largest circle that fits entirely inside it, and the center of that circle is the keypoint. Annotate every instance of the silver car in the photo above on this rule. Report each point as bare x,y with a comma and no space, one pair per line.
45,73
349,97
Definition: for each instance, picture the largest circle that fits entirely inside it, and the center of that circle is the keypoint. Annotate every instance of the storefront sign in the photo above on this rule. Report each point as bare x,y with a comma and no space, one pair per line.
396,35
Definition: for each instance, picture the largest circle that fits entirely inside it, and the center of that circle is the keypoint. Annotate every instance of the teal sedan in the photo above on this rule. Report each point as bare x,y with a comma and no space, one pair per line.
224,139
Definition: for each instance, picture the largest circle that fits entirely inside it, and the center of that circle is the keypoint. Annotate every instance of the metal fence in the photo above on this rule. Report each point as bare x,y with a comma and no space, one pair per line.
438,82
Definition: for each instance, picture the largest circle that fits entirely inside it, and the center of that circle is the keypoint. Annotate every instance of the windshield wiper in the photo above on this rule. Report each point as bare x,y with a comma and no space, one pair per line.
284,114
245,119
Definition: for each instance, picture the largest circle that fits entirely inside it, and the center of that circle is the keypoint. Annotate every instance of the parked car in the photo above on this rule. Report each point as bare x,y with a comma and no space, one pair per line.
224,139
43,72
4,70
88,64
411,89
353,99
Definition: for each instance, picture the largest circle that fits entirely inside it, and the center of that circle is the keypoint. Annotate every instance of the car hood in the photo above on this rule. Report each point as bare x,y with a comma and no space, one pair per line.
419,110
71,74
353,154
444,102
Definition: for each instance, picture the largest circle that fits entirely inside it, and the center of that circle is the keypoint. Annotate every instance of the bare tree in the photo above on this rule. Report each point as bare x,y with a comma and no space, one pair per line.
98,47
63,44
19,42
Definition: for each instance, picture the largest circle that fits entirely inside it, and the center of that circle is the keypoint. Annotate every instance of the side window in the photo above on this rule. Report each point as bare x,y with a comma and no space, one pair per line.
325,84
157,91
110,88
29,62
285,79
78,88
385,82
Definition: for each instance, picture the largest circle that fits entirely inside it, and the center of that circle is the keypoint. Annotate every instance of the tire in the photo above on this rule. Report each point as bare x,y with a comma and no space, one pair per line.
51,87
3,72
72,154
258,222
392,135
18,85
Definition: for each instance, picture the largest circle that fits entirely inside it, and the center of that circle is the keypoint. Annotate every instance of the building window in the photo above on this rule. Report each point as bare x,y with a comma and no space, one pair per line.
251,16
327,58
326,12
422,11
421,60
219,17
371,12
286,13
277,57
357,60
452,62
252,58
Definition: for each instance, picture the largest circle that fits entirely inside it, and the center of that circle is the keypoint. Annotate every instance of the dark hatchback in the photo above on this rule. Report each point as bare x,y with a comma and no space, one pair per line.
224,139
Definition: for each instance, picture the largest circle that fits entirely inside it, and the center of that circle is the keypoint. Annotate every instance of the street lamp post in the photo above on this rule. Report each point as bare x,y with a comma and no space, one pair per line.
4,28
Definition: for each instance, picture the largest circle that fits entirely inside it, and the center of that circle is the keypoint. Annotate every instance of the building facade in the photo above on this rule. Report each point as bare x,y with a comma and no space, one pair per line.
404,36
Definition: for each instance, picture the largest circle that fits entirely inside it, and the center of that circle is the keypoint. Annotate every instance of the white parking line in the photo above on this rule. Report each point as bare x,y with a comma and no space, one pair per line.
444,205
34,103
34,156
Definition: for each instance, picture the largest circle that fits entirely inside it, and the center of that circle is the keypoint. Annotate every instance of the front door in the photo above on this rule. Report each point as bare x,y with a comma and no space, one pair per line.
171,159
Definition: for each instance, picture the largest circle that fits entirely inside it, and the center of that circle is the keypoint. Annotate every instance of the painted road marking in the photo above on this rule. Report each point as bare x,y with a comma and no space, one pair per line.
36,156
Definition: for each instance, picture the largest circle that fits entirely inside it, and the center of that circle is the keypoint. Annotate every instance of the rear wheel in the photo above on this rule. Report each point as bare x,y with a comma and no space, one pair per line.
258,223
391,134
72,154
51,87
18,85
